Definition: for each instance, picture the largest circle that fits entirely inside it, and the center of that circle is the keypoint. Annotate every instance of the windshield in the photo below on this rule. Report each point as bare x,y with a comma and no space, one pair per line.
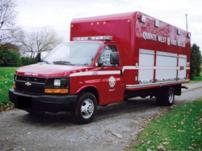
73,53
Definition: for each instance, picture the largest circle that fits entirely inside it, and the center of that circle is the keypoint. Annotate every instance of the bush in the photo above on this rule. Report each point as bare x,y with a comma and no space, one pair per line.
27,61
9,57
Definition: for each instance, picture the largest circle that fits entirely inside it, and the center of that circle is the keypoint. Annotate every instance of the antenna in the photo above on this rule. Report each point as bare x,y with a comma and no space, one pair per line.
186,19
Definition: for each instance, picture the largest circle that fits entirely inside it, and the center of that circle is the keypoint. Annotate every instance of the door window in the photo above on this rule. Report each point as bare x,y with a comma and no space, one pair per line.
105,55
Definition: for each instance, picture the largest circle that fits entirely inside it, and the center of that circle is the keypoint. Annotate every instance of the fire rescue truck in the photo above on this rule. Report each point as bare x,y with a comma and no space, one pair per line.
108,59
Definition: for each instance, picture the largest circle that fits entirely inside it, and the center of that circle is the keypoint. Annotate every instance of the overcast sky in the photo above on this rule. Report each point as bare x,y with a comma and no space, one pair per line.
57,14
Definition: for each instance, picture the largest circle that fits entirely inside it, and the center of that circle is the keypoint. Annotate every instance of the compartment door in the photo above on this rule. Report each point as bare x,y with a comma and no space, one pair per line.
146,66
166,66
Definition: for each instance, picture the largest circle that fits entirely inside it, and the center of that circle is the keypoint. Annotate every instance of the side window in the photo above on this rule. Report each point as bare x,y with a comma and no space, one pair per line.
105,55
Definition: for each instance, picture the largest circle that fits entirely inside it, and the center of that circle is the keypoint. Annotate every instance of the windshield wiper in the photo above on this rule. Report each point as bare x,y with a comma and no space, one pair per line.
63,62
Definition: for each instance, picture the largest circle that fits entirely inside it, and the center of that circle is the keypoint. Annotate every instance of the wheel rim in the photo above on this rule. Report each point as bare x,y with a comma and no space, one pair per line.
171,96
87,108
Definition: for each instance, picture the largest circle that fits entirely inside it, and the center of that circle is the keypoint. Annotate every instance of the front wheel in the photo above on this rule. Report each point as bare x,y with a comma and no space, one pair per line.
166,97
85,108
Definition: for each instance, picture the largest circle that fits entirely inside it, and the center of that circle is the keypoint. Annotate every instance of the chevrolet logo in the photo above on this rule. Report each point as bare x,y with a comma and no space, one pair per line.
28,84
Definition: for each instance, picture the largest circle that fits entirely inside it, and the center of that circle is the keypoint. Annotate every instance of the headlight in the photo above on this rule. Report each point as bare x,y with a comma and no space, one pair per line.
57,83
57,86
62,82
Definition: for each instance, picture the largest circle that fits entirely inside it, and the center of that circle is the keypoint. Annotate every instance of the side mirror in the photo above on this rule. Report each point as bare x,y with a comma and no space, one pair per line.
114,58
99,63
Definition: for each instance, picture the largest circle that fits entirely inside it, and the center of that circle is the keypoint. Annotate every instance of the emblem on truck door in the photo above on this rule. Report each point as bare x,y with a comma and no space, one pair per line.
112,82
28,84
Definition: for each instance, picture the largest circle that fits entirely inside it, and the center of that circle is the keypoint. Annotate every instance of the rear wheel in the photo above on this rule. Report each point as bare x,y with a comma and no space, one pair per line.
85,108
166,96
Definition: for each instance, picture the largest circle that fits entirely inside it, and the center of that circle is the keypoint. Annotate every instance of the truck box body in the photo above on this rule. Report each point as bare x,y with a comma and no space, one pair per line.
151,51
109,59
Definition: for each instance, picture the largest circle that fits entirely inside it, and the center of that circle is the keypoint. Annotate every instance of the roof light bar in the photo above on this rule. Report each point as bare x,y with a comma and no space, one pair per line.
93,38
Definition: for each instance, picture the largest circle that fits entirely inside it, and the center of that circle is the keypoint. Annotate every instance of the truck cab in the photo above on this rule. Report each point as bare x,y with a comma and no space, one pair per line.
75,76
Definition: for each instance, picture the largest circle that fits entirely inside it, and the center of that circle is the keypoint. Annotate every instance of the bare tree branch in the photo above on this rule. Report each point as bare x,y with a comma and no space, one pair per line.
37,41
7,17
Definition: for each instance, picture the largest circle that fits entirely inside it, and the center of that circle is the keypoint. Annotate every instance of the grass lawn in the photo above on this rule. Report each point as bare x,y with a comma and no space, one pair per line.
6,82
179,130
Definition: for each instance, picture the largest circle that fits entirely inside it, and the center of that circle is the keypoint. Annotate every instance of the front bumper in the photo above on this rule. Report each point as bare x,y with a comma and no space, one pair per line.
48,103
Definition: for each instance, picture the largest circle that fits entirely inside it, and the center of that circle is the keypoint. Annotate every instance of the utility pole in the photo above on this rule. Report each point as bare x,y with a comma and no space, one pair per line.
186,19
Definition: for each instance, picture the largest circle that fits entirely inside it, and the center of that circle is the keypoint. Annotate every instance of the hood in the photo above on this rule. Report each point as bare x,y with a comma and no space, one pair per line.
42,70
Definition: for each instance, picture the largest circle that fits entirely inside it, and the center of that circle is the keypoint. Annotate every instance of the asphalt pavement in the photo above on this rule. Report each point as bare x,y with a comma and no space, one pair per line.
113,129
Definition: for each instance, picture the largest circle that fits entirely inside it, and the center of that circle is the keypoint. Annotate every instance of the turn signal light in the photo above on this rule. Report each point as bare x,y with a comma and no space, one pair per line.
56,91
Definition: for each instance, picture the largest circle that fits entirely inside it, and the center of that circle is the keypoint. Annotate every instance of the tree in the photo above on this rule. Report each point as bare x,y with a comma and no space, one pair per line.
195,62
36,42
7,18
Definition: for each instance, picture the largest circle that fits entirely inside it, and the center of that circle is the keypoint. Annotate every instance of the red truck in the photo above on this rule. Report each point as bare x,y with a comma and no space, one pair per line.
108,59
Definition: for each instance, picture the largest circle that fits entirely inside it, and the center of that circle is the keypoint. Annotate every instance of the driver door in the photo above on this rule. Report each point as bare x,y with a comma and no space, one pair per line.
112,82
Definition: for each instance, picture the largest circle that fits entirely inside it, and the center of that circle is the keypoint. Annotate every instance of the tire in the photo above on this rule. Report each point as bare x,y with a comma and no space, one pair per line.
85,108
166,97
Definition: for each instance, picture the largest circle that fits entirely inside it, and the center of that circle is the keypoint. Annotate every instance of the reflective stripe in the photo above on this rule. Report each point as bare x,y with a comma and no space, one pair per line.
130,86
129,68
91,73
